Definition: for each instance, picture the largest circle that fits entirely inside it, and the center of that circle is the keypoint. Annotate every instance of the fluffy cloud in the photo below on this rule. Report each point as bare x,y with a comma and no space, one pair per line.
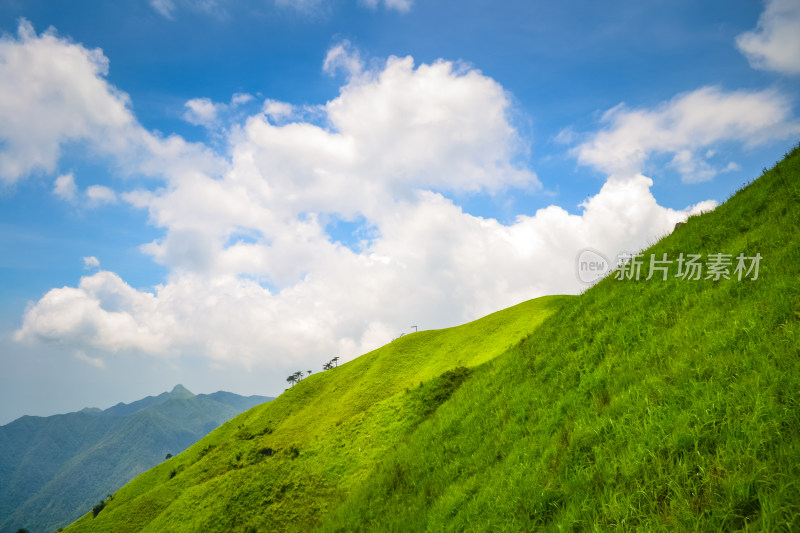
775,43
201,112
685,127
392,130
204,112
65,187
277,111
91,262
255,276
247,243
432,265
343,57
100,313
404,122
100,195
95,195
53,92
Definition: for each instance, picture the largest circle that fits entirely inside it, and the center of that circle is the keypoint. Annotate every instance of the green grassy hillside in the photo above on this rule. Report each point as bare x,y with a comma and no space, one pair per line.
660,405
289,463
651,405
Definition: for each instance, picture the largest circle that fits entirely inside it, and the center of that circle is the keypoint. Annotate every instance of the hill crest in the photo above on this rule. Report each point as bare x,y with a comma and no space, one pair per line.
655,405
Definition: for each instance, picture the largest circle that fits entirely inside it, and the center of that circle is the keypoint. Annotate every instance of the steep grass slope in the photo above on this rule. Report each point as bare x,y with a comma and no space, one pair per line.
287,464
658,405
652,405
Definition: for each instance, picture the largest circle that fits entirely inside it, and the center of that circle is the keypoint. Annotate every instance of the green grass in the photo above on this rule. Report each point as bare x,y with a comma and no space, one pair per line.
658,406
287,464
652,405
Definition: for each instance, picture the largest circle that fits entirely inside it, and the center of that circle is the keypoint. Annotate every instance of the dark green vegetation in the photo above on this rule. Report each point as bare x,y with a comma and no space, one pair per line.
661,405
54,469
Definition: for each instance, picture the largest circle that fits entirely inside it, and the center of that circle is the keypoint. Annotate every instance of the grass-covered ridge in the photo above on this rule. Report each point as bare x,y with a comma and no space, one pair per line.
289,463
652,405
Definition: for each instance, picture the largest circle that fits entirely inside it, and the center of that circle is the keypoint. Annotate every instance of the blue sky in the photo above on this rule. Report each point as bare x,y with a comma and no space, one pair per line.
219,193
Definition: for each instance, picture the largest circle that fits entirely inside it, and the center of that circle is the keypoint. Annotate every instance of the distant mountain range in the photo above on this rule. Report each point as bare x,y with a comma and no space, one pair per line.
54,469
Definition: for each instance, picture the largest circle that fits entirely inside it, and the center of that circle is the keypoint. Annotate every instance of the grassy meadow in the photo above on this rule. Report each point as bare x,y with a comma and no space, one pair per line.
651,405
289,463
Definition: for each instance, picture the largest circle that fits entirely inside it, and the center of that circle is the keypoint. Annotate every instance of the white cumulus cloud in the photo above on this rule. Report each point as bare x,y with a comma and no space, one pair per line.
278,111
95,195
53,91
775,43
201,112
100,313
255,276
100,195
343,56
686,127
209,114
433,264
441,125
65,187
